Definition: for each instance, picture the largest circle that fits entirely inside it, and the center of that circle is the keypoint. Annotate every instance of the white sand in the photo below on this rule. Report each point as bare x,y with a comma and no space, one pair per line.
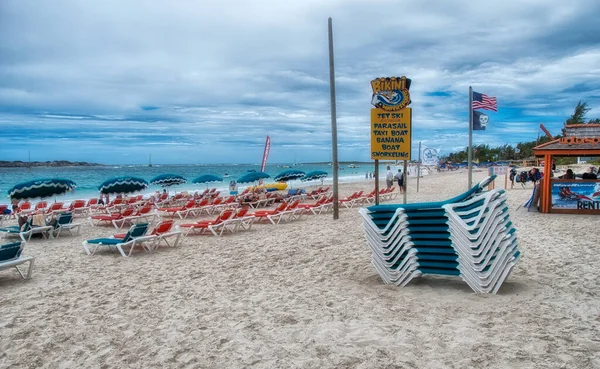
304,295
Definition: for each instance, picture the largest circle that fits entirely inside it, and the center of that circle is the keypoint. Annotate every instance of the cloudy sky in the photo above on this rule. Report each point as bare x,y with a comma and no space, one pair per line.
203,81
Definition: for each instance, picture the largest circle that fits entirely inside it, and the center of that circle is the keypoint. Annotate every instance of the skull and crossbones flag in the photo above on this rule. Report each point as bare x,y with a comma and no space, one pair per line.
480,121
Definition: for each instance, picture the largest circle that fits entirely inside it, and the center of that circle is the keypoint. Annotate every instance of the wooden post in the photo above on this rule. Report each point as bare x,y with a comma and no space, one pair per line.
334,153
546,188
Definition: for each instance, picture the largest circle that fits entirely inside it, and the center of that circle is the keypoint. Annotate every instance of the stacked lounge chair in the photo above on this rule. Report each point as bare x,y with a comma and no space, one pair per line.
470,236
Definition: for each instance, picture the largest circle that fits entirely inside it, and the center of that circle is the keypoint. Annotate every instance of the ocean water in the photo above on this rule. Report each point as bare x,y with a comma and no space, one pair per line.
89,178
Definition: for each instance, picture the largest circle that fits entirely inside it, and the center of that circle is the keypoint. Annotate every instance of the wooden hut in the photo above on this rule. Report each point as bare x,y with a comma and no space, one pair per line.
575,196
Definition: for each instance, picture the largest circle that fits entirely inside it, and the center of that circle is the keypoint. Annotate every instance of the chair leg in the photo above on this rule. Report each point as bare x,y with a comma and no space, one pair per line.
29,269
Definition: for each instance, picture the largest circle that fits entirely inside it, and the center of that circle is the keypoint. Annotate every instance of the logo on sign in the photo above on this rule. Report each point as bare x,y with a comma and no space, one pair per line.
390,93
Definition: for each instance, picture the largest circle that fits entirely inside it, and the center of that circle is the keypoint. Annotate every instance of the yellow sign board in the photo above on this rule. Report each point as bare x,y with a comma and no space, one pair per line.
391,134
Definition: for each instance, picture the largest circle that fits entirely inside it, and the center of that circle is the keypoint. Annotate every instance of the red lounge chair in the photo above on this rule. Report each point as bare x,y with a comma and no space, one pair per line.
143,215
262,214
217,227
127,212
246,219
171,212
57,208
41,207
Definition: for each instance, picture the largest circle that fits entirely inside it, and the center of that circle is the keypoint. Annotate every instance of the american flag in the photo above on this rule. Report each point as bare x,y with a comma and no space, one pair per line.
482,101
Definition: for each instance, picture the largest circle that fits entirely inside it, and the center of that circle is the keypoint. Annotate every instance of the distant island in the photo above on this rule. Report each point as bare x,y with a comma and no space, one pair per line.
55,163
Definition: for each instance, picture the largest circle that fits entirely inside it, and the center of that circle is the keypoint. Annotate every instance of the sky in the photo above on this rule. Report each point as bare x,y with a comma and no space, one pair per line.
188,82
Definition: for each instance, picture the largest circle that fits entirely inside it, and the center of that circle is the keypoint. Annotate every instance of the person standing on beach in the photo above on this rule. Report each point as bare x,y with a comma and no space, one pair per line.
389,177
400,179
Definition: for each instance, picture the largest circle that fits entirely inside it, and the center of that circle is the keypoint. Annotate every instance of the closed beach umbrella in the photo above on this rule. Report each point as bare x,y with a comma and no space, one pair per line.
289,175
123,185
166,180
314,175
41,188
253,177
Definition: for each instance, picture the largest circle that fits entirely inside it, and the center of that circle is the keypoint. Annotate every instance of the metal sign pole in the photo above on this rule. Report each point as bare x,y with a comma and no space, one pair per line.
405,180
376,182
470,156
419,167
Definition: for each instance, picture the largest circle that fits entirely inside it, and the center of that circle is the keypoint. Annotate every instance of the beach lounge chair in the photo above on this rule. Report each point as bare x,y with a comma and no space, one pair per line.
27,230
261,215
40,207
290,212
135,236
108,218
201,206
11,255
246,219
317,207
217,226
143,215
177,211
163,231
56,208
64,222
24,209
78,207
351,200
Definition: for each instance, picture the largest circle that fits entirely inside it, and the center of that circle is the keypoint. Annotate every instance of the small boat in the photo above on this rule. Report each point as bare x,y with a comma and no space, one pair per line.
251,170
226,175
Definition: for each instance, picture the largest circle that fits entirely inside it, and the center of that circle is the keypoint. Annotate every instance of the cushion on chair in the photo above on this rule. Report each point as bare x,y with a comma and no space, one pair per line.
10,251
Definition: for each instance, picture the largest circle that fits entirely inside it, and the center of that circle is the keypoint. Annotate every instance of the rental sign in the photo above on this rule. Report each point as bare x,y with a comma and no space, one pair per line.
391,119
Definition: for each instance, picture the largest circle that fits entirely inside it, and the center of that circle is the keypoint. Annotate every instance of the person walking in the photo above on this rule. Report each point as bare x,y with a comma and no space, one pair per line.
400,180
389,177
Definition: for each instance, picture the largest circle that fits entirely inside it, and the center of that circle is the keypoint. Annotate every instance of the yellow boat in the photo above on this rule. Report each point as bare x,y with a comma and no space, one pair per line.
277,186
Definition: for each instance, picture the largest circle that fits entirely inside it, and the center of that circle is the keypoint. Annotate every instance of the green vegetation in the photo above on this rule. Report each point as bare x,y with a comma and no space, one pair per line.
505,152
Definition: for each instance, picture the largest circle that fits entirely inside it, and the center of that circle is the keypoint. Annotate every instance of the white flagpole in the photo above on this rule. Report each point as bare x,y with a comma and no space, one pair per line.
470,155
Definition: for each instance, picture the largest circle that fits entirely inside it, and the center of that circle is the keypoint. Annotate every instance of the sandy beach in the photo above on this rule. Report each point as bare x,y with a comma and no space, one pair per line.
304,295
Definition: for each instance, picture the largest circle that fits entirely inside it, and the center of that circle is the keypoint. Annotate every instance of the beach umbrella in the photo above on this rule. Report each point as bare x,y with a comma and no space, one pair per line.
314,175
253,177
123,185
166,180
41,188
207,178
289,175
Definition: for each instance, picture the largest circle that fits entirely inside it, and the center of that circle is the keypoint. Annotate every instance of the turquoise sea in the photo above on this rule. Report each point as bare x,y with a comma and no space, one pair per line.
89,178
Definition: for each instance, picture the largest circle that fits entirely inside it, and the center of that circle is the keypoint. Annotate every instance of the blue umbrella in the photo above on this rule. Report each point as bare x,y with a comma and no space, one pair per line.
207,178
253,177
314,175
41,188
123,185
289,175
166,180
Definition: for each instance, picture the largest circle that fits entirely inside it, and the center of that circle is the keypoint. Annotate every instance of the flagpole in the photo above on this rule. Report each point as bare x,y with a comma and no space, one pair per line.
470,154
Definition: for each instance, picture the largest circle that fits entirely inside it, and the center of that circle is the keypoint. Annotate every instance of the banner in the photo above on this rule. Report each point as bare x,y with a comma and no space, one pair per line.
578,195
430,156
266,154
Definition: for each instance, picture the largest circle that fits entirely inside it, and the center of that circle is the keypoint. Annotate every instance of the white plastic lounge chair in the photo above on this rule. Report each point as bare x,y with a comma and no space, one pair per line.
135,236
27,230
64,222
11,256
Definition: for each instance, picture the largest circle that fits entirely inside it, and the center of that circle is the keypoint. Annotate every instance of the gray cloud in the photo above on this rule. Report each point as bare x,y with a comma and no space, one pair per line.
225,74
